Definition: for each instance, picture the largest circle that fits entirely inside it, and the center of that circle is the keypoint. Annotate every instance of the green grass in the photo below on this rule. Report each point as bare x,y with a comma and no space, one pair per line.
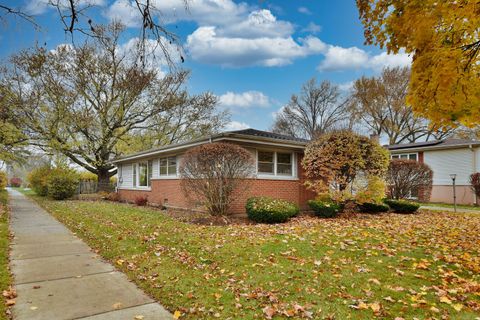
5,278
449,205
383,266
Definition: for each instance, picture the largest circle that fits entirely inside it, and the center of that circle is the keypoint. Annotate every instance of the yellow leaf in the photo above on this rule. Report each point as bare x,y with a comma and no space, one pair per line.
458,306
177,314
445,299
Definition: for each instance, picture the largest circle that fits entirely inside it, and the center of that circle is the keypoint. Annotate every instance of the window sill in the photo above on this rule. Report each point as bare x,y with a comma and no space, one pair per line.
273,177
166,178
136,188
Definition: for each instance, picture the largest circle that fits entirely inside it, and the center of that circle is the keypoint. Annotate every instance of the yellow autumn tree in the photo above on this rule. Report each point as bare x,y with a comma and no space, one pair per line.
443,39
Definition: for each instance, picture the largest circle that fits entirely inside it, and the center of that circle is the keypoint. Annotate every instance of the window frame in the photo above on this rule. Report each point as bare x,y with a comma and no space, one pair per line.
275,174
398,156
167,175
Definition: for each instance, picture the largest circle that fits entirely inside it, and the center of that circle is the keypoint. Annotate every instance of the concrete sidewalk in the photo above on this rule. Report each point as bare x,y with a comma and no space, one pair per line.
57,276
449,209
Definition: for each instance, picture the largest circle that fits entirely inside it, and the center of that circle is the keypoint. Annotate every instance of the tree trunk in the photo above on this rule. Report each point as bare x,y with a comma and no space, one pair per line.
104,180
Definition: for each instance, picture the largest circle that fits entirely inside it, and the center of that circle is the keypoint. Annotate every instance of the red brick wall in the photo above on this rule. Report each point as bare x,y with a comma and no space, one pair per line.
291,190
420,156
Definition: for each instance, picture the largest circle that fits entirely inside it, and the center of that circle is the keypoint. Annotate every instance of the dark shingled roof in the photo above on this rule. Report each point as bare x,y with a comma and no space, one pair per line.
266,134
245,133
440,143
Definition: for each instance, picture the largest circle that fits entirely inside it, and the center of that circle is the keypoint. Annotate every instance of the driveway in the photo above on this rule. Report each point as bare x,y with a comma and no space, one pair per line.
57,276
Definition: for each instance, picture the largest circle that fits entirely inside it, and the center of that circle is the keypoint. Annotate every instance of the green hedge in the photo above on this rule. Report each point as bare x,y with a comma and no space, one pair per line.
268,210
325,209
402,206
372,207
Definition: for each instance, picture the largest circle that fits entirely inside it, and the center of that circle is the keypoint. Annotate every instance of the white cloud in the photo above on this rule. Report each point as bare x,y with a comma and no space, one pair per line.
384,59
125,12
236,125
339,58
203,12
37,7
312,28
260,23
205,45
234,34
304,10
244,100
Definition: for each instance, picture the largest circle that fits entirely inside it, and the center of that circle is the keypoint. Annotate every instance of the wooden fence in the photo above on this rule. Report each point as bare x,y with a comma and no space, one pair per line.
92,186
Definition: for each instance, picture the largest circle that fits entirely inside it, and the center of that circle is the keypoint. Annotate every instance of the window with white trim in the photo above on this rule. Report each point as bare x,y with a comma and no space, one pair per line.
142,173
274,163
167,166
405,156
284,164
266,162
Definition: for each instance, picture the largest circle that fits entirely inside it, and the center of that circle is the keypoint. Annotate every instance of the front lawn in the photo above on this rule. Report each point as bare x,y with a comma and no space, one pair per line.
4,240
389,266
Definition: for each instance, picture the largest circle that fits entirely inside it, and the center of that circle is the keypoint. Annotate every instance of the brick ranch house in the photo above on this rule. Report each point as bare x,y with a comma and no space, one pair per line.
445,157
278,172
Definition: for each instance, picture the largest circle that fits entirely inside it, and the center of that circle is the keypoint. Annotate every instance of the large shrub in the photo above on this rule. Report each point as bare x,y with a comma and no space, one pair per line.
38,180
62,183
334,160
325,209
402,206
268,210
3,180
15,182
409,179
214,174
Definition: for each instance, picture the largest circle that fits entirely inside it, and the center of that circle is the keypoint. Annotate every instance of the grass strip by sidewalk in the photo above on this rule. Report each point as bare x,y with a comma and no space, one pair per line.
5,278
425,265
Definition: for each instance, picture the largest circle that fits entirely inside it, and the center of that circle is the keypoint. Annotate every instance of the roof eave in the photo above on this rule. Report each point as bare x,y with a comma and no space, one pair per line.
215,137
436,147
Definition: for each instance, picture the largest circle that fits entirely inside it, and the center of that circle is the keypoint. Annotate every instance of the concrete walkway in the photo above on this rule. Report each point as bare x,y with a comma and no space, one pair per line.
449,209
57,276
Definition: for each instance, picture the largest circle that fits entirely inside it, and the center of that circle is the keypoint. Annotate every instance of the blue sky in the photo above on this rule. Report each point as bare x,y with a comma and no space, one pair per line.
252,54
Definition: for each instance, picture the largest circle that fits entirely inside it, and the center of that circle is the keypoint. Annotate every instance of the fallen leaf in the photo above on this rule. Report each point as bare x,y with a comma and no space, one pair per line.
177,314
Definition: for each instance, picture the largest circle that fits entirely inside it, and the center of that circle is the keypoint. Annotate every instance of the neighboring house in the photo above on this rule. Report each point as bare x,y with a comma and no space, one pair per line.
445,157
278,174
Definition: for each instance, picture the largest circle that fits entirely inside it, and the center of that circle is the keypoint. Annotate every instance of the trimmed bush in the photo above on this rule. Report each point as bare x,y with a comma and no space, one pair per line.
141,200
268,210
325,209
38,180
402,206
15,182
373,207
3,180
62,183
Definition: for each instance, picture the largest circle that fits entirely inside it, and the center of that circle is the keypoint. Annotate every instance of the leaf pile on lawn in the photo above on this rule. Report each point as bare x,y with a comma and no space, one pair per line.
391,266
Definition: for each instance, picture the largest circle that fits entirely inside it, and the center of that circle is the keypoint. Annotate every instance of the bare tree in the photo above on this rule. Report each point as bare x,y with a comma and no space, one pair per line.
408,178
379,103
84,101
215,173
317,110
